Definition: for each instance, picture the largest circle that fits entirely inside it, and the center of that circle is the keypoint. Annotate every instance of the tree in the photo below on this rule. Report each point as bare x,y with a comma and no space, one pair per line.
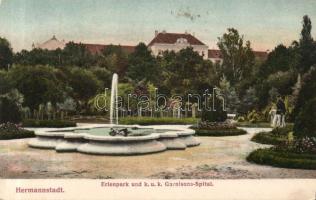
249,101
77,55
231,98
238,58
114,59
85,85
186,72
6,54
306,92
38,84
306,37
142,64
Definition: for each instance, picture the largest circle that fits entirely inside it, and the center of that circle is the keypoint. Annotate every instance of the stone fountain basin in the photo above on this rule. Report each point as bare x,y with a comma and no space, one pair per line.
64,140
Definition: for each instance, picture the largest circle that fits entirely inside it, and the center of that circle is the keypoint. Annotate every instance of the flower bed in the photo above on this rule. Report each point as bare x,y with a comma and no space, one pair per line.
13,131
279,158
217,129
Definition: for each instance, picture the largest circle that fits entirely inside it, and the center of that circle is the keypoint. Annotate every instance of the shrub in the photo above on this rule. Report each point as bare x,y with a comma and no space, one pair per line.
278,158
156,121
268,138
12,131
48,123
254,125
282,130
9,110
214,116
219,133
305,122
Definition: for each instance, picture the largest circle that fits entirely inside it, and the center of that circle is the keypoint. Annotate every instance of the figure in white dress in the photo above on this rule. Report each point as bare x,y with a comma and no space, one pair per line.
278,114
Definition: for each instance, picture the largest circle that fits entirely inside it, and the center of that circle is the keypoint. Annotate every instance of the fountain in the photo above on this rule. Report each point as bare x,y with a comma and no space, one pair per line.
106,139
114,101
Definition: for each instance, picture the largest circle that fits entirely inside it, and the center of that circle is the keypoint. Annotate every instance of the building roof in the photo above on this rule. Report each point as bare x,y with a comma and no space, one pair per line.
217,54
52,44
171,38
97,48
214,53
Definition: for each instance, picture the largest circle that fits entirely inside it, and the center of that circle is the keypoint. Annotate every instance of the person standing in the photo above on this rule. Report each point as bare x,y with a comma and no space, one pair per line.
280,113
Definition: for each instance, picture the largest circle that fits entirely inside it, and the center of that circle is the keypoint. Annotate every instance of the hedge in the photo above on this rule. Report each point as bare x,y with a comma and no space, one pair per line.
277,136
219,133
48,123
277,158
11,131
254,125
157,121
268,138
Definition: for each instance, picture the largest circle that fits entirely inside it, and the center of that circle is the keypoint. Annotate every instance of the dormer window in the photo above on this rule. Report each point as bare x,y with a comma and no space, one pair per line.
182,41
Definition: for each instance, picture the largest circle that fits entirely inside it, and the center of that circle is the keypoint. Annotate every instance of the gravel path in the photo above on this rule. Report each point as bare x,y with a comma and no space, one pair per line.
216,157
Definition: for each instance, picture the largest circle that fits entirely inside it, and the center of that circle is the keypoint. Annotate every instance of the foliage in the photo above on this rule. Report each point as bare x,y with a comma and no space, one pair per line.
269,138
253,125
10,106
284,159
156,121
305,123
205,125
219,133
84,83
47,123
142,64
238,58
249,101
38,84
231,97
6,54
13,131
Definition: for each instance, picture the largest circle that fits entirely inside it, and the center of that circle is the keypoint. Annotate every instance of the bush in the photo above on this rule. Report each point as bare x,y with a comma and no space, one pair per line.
219,133
254,125
9,111
12,131
278,158
214,116
214,125
305,122
156,121
283,130
278,136
268,138
48,123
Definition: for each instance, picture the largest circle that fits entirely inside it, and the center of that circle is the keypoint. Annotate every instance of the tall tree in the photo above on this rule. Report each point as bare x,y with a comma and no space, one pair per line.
6,54
238,58
142,64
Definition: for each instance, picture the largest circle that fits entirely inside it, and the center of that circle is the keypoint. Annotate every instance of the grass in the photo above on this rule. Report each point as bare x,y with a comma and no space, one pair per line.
157,121
278,158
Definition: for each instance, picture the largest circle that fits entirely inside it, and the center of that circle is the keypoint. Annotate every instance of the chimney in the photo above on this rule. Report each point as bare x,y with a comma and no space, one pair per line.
156,33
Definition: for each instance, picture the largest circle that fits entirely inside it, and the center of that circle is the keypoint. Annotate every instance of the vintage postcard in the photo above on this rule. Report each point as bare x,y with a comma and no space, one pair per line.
145,99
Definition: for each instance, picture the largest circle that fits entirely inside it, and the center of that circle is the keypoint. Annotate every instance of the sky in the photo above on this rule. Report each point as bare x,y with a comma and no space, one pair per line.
266,23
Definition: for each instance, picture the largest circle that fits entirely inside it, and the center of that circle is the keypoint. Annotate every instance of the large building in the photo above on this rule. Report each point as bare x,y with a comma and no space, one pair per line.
162,41
51,44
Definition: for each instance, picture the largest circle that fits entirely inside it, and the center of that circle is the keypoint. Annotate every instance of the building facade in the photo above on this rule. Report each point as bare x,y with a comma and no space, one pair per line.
164,41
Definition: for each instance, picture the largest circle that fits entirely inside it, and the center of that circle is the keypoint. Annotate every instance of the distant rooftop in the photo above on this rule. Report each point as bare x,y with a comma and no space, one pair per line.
172,38
51,44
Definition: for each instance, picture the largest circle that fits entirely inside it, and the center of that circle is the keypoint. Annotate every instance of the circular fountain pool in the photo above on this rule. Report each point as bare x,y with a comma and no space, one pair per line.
97,140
